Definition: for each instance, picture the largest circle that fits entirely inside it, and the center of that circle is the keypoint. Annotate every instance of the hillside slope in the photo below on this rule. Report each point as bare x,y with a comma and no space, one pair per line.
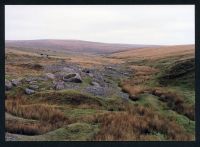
156,52
71,46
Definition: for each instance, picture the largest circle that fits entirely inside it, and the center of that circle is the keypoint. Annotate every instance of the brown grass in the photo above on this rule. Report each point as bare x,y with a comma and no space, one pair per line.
137,123
20,71
32,66
28,128
156,53
133,89
35,111
146,70
48,118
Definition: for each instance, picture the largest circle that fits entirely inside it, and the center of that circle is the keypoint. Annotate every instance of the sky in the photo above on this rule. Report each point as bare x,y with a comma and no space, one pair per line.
133,24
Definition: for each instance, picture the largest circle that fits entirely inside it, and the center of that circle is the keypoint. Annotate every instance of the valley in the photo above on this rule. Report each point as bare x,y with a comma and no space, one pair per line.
132,93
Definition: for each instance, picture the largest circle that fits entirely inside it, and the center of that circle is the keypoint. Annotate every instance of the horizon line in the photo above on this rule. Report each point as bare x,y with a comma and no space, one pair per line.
99,42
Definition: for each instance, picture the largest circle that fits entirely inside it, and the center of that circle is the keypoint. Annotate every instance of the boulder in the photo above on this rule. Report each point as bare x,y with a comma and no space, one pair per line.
15,82
29,91
50,76
72,77
8,85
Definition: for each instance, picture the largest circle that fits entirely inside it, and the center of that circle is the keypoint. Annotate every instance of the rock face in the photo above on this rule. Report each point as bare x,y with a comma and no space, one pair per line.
8,85
15,82
72,77
59,85
29,91
50,76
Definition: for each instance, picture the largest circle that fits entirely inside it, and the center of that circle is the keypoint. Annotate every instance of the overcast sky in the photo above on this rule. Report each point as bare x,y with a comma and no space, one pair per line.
135,24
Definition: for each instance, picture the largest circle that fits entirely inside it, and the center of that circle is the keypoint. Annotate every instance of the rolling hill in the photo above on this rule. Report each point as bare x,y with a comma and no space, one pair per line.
155,52
73,46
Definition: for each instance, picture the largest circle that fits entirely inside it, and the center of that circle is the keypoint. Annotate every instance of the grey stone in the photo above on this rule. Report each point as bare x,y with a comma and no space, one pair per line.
91,75
33,82
50,76
68,70
59,85
72,77
97,91
29,79
124,95
29,91
34,87
10,137
163,96
15,82
8,85
95,84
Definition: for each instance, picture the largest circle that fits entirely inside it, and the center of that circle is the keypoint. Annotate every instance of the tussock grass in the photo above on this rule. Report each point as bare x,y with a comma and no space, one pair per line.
48,118
133,89
28,128
35,111
137,123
